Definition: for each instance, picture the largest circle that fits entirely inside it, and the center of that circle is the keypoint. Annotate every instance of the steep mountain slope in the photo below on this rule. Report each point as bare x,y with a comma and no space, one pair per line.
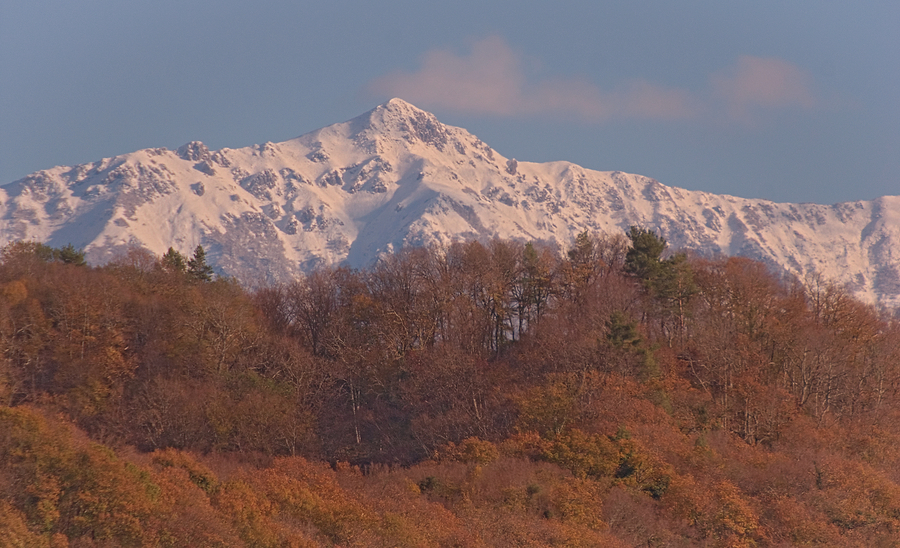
397,176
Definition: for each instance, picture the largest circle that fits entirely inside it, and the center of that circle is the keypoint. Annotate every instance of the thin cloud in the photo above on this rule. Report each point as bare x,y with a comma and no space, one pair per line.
489,80
486,81
762,83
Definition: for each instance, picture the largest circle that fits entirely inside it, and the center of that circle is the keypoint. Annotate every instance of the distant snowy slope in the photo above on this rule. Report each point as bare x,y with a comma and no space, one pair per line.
396,176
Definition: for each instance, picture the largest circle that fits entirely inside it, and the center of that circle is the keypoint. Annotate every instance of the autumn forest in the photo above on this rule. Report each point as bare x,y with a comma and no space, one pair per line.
617,393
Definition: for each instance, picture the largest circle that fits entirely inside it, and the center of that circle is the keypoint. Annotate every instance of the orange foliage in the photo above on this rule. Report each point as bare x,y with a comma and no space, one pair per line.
479,395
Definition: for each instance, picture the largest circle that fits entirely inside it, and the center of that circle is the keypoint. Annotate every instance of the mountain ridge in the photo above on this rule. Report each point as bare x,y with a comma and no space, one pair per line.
397,176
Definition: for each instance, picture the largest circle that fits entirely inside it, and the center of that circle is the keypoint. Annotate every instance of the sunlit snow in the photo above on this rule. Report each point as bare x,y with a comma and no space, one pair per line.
396,176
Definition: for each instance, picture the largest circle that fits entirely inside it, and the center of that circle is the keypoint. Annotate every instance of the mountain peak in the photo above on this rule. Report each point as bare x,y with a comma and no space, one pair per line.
399,104
397,176
400,119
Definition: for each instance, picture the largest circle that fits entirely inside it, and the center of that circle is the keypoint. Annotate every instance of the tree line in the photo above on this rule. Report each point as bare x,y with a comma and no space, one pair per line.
617,361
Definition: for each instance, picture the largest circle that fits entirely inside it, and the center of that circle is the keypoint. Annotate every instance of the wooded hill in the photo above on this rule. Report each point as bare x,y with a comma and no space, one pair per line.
498,394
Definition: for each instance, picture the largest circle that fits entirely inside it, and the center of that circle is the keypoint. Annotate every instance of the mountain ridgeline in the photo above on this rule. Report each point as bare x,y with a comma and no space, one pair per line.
396,176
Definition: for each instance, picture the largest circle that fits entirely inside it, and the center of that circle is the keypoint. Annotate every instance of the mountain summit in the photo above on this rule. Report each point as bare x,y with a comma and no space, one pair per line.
397,176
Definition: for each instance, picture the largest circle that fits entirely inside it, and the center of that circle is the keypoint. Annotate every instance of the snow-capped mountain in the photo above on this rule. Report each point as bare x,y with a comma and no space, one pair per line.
397,176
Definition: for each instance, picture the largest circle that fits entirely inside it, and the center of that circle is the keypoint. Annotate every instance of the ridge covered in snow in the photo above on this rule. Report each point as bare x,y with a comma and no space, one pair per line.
397,176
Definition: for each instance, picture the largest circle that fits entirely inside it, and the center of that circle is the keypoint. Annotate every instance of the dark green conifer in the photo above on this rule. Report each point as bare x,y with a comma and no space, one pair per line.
643,259
197,267
669,282
174,261
69,255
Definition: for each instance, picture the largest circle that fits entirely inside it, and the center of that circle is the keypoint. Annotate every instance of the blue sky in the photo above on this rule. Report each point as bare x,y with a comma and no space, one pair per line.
788,101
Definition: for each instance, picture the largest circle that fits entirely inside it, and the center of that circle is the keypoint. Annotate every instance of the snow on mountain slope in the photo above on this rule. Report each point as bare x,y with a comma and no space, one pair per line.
396,176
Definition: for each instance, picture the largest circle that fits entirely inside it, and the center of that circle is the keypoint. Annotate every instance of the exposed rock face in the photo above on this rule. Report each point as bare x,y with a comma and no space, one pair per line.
396,176
194,151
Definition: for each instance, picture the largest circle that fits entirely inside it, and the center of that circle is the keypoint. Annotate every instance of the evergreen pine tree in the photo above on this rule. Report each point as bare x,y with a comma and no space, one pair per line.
197,267
174,261
669,282
70,255
643,259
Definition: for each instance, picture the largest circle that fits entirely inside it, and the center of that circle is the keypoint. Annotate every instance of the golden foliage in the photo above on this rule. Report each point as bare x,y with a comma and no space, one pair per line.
479,395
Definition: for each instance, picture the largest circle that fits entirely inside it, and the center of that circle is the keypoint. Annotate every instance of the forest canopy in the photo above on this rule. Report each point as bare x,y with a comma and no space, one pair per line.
484,393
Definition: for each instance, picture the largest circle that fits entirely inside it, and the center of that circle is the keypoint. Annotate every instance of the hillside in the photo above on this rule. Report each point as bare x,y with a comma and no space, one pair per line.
479,395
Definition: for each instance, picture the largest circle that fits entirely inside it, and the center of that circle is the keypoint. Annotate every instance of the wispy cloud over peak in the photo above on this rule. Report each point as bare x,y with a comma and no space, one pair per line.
489,79
486,81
